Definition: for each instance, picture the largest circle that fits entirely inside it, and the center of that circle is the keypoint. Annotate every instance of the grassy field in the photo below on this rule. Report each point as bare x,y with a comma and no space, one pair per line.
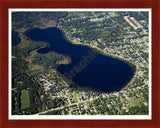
75,96
135,102
25,99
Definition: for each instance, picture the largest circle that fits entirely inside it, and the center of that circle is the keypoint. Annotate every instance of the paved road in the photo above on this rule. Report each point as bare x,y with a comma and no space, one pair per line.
67,105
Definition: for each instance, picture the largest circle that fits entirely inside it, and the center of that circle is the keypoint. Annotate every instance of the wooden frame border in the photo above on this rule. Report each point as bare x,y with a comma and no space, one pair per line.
6,4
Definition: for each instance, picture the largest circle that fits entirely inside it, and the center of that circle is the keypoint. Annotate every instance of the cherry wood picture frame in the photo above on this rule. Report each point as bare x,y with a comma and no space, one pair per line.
104,4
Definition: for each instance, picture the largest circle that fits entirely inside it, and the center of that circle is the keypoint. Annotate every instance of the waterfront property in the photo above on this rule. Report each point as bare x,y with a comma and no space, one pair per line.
103,73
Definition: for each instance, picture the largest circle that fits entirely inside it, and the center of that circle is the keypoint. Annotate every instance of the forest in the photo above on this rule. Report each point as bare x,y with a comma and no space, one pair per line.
30,19
23,81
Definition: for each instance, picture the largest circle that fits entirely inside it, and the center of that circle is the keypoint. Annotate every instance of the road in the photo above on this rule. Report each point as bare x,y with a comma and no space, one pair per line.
67,105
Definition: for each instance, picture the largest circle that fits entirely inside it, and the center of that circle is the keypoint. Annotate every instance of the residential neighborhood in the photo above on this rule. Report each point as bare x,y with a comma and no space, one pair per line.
123,35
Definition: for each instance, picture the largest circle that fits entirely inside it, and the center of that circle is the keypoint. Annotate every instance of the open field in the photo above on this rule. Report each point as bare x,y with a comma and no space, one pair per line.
25,102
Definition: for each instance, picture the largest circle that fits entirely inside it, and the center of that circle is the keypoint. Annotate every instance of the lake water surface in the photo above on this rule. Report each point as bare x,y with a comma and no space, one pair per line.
88,67
15,38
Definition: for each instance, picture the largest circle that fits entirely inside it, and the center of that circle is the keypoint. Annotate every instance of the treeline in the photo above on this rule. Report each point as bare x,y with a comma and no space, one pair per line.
142,15
25,51
56,102
138,110
89,31
29,19
32,46
16,52
21,81
19,66
49,60
84,29
24,82
103,108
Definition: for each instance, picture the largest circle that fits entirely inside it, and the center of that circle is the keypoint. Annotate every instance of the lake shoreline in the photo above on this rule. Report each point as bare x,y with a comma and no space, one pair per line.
134,67
130,65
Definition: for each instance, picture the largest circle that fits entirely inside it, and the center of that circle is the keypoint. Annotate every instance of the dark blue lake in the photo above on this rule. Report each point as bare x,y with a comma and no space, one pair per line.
15,38
88,67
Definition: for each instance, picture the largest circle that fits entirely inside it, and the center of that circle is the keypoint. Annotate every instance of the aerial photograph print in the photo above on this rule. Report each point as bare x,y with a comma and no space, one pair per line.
80,63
